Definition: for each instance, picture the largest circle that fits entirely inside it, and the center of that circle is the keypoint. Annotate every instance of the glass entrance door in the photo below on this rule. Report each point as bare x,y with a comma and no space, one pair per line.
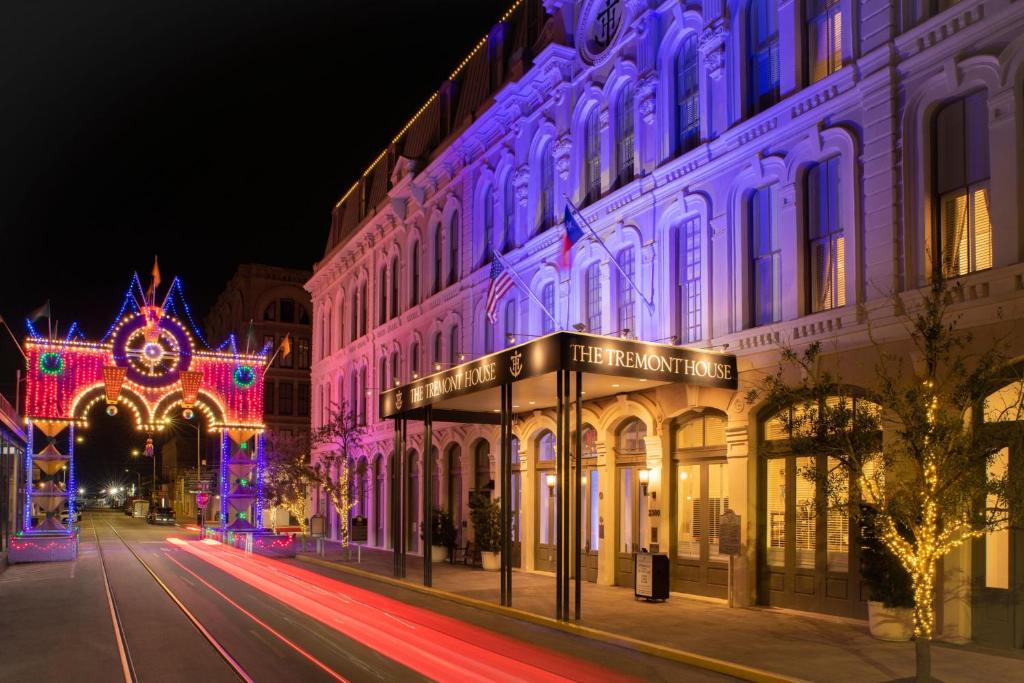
701,498
632,510
591,509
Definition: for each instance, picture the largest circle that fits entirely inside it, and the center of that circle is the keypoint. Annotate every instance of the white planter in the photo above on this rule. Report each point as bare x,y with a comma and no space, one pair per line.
890,623
490,561
438,553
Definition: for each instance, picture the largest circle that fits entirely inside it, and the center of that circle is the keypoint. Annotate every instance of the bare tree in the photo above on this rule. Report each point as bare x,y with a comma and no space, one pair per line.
914,445
289,476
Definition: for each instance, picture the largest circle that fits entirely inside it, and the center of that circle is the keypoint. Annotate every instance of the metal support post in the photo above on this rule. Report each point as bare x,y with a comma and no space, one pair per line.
428,470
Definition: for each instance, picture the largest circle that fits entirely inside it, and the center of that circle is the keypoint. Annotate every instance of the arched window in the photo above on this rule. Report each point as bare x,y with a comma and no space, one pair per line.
702,493
487,329
688,286
383,381
546,447
687,123
826,247
414,360
394,287
363,310
437,349
414,275
624,141
591,158
303,315
508,237
763,54
589,441
453,249
824,38
488,218
546,186
362,395
438,260
482,468
547,298
353,396
270,312
963,243
354,327
627,295
323,335
394,369
592,312
510,322
382,297
766,258
631,437
454,345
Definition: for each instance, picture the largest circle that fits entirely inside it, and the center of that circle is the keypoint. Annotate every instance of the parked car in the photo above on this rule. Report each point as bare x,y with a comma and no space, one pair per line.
160,516
64,517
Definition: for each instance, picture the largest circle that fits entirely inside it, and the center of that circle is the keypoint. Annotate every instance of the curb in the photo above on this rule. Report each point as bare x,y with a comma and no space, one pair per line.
746,673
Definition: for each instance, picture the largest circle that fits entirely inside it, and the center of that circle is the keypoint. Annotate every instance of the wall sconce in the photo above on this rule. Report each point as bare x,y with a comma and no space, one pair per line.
583,480
551,480
644,477
437,367
683,475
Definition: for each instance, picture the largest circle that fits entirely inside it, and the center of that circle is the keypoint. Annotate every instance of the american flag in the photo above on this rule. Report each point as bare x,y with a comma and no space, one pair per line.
501,282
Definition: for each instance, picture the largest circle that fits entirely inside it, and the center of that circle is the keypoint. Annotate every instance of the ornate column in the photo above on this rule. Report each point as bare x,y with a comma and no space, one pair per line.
714,86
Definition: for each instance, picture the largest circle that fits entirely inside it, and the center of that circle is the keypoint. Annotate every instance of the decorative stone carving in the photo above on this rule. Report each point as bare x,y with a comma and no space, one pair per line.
712,48
561,152
647,91
552,6
521,183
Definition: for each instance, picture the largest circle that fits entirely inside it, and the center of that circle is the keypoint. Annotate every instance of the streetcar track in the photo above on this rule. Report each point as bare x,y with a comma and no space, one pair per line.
127,665
122,641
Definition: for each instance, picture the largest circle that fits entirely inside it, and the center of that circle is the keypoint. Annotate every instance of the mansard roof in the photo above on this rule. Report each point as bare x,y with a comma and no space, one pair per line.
502,56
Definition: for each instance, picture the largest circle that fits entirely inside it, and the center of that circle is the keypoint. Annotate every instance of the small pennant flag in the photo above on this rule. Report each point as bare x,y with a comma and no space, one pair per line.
286,346
151,294
500,283
41,312
573,233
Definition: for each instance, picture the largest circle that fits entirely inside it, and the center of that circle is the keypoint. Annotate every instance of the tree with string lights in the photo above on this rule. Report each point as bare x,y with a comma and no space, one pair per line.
913,444
336,444
289,476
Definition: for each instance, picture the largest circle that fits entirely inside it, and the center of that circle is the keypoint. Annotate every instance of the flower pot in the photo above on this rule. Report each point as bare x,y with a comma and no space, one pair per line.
438,553
491,561
890,623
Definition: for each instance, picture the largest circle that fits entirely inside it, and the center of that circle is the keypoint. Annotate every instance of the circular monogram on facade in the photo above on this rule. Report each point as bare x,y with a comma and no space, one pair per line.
244,377
51,363
600,23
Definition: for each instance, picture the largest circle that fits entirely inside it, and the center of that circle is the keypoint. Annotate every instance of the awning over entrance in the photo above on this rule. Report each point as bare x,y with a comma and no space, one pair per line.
613,365
547,372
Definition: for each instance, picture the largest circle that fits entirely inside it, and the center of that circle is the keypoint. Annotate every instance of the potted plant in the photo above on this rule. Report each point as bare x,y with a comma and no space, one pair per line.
442,535
486,517
890,590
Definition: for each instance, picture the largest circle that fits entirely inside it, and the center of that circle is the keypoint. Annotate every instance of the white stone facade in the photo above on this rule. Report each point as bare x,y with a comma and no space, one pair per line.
870,111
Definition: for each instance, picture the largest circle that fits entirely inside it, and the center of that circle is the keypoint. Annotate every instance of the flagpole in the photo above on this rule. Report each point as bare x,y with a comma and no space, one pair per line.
13,338
572,207
522,284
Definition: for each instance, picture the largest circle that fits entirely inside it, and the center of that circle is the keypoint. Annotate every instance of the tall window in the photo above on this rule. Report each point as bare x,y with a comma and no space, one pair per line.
624,143
354,327
437,348
488,208
362,310
284,398
353,395
302,400
824,38
626,293
763,47
414,275
766,266
546,199
592,158
302,353
547,297
631,437
687,96
508,239
826,247
488,331
688,298
362,395
438,260
454,345
964,239
382,380
510,321
394,287
268,398
453,248
592,279
382,297
393,364
414,360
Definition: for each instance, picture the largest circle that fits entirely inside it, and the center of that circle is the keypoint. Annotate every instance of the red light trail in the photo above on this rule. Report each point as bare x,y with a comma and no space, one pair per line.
436,646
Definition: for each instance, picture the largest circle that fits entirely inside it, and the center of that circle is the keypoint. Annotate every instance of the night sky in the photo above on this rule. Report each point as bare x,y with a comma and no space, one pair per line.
210,133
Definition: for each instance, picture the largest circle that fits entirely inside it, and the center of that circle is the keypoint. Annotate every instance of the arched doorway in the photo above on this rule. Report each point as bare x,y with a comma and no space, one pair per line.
631,512
413,503
516,504
544,550
590,503
378,507
701,495
808,555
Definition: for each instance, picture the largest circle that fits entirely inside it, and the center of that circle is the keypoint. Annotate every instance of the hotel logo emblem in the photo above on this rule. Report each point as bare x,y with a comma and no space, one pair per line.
516,365
398,400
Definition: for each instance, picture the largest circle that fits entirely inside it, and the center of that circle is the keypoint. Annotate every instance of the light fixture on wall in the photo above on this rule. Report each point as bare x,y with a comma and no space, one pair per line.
644,477
551,480
579,327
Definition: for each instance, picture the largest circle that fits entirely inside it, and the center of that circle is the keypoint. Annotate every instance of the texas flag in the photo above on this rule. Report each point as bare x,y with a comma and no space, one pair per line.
573,233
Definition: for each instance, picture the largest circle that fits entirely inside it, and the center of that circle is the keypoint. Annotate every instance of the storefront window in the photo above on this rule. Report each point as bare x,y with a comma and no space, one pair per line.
997,543
546,496
593,499
628,503
776,496
689,513
838,523
805,524
718,501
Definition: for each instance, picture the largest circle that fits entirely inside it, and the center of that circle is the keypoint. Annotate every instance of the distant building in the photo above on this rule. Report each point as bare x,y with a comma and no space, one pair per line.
12,453
274,300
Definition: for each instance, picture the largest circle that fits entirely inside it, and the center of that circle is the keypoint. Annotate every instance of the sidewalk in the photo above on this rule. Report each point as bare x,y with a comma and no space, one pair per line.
795,644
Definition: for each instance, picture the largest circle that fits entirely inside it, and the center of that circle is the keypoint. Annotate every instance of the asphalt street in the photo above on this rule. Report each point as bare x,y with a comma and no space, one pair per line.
183,609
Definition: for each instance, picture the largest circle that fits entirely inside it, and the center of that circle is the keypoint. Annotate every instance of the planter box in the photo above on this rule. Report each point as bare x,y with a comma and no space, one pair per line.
491,561
438,553
890,623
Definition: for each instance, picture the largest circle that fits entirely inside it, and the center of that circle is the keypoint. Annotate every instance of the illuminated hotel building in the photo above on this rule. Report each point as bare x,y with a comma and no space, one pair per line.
766,171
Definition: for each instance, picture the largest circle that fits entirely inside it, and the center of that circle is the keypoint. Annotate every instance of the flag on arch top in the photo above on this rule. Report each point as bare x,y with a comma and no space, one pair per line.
573,233
500,283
